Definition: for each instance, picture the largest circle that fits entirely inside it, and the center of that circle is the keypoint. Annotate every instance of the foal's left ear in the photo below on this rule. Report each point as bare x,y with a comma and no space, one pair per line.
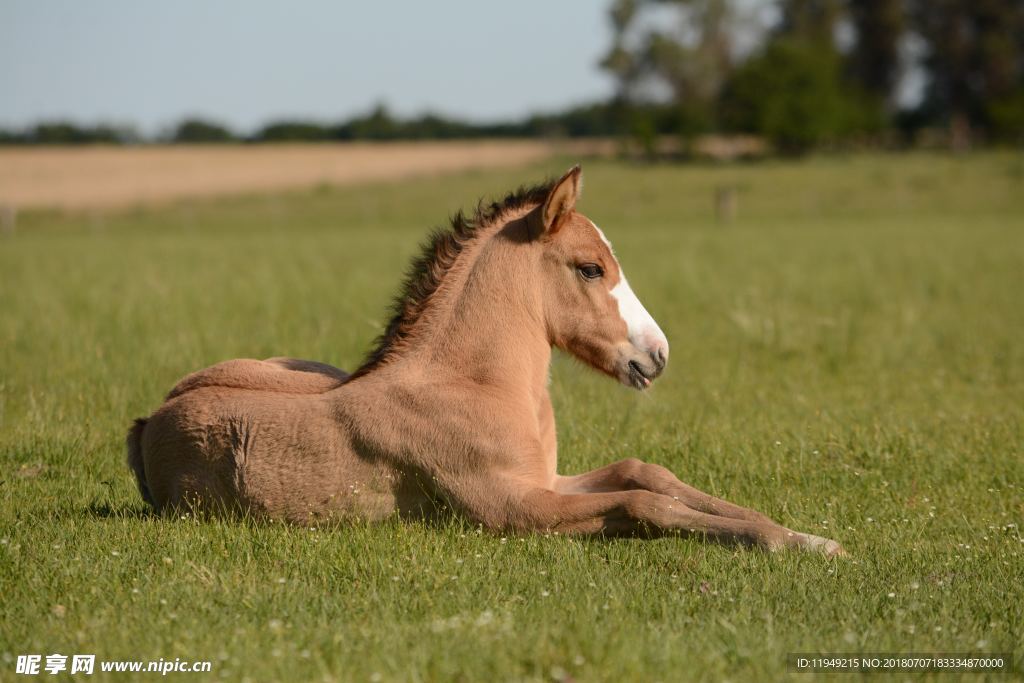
561,200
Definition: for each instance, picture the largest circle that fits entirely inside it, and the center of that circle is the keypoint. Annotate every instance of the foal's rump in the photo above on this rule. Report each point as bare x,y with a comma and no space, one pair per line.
267,453
200,444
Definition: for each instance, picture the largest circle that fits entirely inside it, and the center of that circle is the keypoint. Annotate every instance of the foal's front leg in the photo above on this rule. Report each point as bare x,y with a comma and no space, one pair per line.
640,511
634,474
626,513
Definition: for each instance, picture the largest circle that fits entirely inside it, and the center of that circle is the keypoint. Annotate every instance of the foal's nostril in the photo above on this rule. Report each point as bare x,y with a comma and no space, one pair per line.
659,358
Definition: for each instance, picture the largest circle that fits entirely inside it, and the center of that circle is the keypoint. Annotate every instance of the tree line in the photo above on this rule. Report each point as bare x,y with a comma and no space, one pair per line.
798,73
379,124
803,73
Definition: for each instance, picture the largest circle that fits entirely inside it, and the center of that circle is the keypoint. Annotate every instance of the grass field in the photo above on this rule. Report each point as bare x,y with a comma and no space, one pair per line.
847,355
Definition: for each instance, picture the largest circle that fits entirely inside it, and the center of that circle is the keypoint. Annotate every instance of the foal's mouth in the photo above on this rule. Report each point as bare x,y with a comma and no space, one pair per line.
640,378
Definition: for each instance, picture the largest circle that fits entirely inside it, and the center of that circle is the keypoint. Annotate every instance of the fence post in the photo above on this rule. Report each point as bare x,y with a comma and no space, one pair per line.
8,219
725,203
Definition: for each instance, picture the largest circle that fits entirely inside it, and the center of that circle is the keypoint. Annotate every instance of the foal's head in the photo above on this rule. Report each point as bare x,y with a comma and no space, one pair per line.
589,308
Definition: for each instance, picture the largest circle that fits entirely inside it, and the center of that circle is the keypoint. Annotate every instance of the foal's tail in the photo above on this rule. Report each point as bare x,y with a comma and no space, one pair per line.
135,459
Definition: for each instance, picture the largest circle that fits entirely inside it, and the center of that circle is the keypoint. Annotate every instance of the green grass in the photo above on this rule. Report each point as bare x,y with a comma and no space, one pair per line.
847,356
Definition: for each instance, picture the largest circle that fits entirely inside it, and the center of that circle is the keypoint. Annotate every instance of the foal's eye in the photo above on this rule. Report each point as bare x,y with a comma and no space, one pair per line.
590,271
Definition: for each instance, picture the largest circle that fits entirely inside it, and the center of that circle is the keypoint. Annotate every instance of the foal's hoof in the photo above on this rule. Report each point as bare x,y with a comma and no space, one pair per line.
820,544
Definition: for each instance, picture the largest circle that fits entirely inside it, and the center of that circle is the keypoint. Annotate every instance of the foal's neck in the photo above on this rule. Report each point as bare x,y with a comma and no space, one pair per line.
485,324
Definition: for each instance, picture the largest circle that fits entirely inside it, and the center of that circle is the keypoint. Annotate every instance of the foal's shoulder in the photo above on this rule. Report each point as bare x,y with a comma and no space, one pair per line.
277,375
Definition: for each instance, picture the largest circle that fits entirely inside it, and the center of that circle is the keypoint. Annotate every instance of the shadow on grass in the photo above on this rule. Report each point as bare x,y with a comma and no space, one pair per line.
441,518
108,511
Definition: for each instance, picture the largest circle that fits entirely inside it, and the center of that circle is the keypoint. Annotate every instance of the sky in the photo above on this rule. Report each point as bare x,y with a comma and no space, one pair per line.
150,63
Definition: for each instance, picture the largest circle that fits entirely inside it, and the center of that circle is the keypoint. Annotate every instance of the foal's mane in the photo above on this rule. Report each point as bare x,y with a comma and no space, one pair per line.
437,256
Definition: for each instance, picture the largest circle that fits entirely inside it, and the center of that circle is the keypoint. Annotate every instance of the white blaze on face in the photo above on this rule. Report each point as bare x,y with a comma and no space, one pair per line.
644,333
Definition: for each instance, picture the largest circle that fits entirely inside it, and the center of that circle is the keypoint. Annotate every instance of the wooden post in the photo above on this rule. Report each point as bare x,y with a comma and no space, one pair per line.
725,203
8,219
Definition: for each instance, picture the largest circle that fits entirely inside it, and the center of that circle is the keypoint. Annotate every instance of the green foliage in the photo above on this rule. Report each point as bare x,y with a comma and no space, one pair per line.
1006,115
198,131
975,62
846,356
790,93
67,133
294,131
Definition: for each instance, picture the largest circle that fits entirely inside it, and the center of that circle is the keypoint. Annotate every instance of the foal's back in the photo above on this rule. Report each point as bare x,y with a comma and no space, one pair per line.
280,375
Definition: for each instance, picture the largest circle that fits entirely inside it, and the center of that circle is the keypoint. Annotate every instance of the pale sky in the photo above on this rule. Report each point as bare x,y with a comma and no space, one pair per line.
150,63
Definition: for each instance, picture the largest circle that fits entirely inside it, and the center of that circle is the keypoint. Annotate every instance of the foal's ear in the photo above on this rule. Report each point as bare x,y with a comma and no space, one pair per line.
561,200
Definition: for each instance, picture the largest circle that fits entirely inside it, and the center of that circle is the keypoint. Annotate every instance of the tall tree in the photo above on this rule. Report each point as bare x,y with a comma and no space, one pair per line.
811,20
875,59
975,59
675,54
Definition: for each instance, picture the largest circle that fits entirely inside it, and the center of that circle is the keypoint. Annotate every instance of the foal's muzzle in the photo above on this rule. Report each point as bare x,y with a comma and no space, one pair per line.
643,368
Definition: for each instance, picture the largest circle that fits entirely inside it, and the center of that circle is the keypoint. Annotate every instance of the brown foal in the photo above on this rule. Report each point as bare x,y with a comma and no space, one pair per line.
451,408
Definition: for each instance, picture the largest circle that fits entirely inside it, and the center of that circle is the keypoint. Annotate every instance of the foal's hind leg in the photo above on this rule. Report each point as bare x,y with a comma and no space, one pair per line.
634,474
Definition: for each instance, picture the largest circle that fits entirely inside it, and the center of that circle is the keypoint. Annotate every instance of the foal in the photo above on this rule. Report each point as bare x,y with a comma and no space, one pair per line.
452,406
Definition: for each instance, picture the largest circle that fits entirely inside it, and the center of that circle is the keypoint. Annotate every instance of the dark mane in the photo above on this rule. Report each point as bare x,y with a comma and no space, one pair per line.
437,255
